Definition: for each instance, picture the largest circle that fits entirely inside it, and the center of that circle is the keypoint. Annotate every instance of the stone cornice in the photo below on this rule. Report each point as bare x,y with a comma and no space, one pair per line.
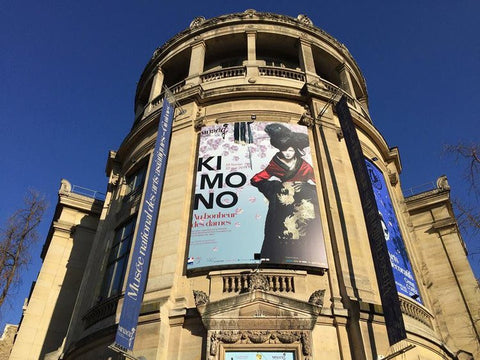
82,203
426,199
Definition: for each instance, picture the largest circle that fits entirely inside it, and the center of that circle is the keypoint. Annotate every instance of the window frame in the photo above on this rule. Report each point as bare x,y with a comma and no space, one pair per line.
117,260
135,181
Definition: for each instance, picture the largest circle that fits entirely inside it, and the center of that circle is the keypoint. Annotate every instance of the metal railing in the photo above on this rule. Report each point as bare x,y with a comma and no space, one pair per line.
419,189
79,190
102,310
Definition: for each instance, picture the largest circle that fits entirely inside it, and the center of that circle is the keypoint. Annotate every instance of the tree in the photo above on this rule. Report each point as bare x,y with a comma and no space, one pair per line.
467,209
16,238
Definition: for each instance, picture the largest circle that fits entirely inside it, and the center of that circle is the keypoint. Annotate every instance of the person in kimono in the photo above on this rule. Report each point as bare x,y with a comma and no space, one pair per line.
292,224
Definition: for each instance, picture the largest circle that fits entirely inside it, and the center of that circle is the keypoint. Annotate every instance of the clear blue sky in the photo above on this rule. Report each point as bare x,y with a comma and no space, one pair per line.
68,72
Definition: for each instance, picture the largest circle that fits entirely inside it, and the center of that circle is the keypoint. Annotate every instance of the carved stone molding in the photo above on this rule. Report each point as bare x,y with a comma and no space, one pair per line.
393,177
416,311
250,12
252,338
259,318
304,19
317,297
199,20
442,183
306,119
200,297
198,123
115,180
65,187
199,120
339,134
258,310
258,282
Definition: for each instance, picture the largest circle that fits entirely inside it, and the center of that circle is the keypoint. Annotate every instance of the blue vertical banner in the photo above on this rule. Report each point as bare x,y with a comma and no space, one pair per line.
137,275
401,266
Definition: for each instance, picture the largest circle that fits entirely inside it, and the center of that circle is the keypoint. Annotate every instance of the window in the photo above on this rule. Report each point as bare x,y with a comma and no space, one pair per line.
118,259
135,183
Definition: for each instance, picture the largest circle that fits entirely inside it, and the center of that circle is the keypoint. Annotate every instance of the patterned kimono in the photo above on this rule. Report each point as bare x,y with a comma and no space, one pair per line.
292,226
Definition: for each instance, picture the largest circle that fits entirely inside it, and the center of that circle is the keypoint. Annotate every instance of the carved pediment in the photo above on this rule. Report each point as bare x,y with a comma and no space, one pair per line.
258,310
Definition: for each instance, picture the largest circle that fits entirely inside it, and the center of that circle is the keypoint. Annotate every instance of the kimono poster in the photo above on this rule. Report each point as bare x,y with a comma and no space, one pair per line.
255,198
402,269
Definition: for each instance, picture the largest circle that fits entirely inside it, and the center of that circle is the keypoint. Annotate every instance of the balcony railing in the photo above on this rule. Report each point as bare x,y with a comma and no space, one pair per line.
176,88
281,72
333,88
88,192
235,71
415,310
263,71
238,283
101,311
419,189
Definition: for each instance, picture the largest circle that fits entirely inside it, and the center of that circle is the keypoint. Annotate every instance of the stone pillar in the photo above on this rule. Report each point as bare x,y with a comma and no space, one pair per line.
252,64
346,80
157,84
364,101
331,237
306,61
251,46
197,60
344,345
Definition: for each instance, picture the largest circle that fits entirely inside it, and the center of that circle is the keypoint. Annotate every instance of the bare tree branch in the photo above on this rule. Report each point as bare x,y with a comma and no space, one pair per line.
467,209
19,233
468,218
470,153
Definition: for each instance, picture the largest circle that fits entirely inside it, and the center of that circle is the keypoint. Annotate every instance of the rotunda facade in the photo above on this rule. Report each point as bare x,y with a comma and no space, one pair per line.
262,248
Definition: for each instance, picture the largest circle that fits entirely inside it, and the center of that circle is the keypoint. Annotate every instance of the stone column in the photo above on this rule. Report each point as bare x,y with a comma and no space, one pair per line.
197,60
157,84
306,61
364,101
345,79
251,46
327,197
251,63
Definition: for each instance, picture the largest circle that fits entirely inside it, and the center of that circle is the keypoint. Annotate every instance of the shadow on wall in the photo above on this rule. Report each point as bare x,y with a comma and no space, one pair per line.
83,236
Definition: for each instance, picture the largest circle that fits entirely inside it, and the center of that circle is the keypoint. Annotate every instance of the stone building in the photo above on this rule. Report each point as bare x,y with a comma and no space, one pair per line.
6,341
261,248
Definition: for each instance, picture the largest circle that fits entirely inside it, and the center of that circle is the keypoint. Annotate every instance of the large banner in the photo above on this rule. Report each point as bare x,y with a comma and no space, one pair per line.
137,275
402,269
381,258
255,198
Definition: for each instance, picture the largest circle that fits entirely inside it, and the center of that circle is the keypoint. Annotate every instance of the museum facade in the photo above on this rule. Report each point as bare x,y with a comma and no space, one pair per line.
281,228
